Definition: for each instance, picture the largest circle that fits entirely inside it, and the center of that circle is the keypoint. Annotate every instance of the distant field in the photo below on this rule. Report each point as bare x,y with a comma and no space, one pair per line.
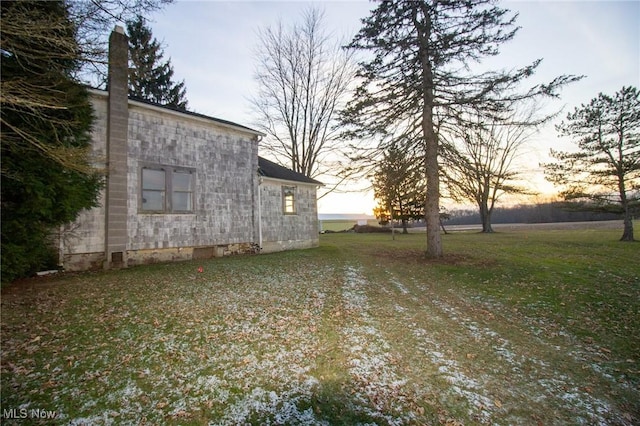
524,326
602,224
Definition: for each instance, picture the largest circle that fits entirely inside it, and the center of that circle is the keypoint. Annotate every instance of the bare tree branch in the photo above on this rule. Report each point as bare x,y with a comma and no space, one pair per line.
304,79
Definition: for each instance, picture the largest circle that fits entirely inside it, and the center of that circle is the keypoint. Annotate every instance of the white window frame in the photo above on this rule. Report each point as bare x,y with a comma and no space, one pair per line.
289,202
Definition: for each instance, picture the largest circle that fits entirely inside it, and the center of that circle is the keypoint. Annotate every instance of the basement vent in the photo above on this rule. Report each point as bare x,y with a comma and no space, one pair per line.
116,257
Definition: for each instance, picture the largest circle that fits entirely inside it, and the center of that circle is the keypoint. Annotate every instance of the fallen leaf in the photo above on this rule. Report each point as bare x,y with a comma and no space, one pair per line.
497,403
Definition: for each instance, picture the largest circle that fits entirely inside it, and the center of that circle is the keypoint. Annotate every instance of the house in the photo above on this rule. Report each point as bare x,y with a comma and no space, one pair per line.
343,222
181,185
288,208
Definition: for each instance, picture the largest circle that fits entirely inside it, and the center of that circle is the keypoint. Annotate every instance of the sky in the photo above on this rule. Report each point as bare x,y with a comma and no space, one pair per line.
212,45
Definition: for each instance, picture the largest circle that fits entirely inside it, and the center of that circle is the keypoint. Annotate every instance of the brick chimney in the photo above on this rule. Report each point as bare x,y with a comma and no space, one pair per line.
117,152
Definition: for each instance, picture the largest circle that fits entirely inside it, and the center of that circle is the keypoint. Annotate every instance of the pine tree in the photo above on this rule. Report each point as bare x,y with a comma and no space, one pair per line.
418,79
398,186
149,77
604,173
47,176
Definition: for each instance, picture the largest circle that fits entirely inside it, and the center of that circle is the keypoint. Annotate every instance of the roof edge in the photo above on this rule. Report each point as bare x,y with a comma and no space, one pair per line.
271,170
170,110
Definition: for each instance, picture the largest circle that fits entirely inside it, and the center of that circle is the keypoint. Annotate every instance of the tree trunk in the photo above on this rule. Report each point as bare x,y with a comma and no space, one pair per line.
485,216
432,204
627,235
404,226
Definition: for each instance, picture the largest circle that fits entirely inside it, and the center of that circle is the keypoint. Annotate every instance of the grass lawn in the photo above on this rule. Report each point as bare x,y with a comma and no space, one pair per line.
519,327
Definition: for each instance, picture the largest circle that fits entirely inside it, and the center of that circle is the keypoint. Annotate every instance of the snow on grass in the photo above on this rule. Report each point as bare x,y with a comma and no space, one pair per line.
241,343
538,327
379,388
235,348
399,286
469,388
272,407
594,409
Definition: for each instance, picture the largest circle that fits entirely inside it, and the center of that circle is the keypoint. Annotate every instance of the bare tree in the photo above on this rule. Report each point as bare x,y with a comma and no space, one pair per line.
303,78
479,161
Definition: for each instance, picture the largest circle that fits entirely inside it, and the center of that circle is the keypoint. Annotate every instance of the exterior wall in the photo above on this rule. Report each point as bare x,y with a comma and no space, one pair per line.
223,221
225,164
288,231
83,241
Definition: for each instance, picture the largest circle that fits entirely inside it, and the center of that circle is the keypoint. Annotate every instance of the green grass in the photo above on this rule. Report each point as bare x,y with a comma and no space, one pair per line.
515,327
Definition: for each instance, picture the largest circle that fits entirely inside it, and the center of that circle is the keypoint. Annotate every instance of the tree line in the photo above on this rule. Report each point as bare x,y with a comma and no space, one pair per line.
530,213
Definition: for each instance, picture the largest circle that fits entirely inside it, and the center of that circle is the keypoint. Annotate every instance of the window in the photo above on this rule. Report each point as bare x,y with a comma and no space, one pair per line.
182,190
153,190
157,182
289,199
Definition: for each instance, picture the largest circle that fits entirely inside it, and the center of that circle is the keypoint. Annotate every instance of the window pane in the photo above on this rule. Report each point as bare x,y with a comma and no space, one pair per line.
181,201
288,205
153,179
289,199
182,181
153,200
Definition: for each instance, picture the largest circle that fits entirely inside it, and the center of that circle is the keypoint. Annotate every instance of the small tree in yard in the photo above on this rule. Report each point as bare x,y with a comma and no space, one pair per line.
398,186
149,77
604,174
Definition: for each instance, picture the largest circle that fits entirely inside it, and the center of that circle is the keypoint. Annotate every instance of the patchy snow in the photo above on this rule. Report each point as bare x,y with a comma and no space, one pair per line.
462,385
379,388
272,407
399,286
243,350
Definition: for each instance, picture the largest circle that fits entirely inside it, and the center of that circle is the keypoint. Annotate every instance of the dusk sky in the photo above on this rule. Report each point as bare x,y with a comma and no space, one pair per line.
212,43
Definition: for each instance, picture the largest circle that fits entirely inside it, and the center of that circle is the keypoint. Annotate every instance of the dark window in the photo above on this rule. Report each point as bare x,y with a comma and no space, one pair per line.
182,190
157,182
153,190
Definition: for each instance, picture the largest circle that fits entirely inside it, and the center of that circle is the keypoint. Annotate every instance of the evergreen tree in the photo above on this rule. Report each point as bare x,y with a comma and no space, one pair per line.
398,186
604,174
150,78
47,176
418,80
